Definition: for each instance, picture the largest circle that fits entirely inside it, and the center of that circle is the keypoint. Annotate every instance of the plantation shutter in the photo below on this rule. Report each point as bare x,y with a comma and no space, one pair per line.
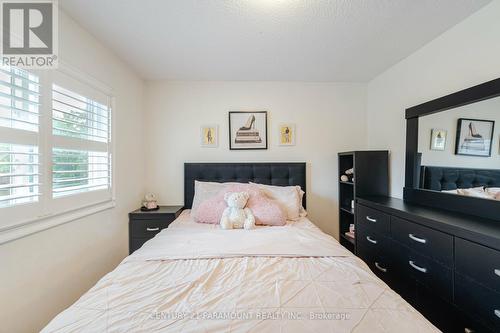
81,128
19,137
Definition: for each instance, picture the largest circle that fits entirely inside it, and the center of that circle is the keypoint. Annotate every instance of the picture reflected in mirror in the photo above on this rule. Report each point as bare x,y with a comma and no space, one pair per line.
460,150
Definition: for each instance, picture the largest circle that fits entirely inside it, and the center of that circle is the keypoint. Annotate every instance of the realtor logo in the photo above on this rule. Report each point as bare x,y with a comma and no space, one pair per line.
29,33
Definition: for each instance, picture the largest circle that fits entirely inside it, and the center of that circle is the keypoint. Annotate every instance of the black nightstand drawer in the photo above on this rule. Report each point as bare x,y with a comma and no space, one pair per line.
145,225
478,262
373,219
479,301
424,270
150,227
425,241
136,243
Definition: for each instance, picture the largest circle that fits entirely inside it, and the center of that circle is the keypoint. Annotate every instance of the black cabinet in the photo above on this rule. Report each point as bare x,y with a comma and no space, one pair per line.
370,176
145,225
439,262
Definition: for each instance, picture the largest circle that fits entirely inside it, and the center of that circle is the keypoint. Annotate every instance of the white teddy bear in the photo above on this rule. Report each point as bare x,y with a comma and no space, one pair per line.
236,216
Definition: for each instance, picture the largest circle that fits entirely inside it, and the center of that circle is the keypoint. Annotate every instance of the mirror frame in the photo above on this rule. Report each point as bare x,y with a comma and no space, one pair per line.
411,193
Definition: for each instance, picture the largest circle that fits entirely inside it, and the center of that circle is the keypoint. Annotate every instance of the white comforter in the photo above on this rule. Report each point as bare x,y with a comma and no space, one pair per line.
198,278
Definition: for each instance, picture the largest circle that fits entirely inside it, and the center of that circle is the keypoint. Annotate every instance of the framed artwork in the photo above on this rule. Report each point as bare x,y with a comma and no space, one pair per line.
287,135
438,139
209,136
247,130
474,137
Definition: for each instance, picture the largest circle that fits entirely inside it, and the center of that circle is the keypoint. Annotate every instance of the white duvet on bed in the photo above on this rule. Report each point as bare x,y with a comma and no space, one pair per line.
196,278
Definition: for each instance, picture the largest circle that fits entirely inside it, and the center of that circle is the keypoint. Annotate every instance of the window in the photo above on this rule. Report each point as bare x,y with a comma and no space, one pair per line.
76,171
55,144
19,174
19,126
77,117
19,99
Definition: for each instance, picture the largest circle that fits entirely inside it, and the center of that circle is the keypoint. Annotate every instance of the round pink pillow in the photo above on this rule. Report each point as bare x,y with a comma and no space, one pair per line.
265,210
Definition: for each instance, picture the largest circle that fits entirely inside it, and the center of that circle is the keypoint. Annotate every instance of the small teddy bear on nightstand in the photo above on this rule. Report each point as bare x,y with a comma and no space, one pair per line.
236,216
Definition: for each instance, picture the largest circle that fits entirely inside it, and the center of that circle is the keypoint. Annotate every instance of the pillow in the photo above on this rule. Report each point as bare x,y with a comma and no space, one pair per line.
474,192
450,191
204,191
493,190
265,210
303,212
288,197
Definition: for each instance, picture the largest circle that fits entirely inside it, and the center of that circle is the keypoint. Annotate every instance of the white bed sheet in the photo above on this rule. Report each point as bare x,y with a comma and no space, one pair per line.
155,290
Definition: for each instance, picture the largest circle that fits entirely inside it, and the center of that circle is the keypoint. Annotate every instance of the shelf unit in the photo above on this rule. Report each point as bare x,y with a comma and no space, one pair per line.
371,177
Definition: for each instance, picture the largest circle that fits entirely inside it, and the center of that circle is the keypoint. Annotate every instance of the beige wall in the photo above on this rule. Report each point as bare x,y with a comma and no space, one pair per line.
464,56
329,118
44,273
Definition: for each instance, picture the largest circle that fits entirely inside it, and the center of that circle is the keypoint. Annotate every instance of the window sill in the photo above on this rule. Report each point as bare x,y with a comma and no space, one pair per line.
42,223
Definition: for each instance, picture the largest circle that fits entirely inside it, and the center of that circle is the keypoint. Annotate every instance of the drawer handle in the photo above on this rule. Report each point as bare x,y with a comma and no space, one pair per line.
418,268
416,239
153,229
371,219
497,272
497,313
380,268
371,240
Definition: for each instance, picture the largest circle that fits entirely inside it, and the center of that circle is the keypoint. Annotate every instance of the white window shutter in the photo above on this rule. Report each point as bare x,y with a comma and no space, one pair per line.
19,126
81,118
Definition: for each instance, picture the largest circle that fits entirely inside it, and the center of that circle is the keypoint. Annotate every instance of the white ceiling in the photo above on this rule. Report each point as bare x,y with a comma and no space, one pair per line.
278,40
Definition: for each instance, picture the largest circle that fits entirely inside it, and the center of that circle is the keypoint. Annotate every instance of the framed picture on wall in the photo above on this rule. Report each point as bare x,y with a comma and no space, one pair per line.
287,135
438,139
209,136
474,137
247,130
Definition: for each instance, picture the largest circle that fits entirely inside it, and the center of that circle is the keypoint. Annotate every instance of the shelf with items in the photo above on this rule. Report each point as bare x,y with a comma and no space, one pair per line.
346,197
347,238
347,210
346,224
359,173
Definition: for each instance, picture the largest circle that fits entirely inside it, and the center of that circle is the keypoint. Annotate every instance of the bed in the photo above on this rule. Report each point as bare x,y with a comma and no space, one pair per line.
461,181
196,277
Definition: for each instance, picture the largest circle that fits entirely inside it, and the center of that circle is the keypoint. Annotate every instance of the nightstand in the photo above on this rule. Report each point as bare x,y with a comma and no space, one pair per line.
143,226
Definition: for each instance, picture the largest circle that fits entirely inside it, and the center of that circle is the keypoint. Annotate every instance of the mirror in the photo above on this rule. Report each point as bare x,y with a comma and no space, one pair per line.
452,152
459,150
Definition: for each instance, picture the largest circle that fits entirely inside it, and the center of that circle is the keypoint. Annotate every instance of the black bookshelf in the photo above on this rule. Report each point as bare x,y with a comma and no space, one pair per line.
371,177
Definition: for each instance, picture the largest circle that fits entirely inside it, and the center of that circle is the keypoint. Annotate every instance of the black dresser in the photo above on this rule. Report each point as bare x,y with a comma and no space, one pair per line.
143,226
446,265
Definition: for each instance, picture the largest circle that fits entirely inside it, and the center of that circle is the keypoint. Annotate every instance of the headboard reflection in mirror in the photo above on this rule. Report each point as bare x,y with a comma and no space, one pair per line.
453,151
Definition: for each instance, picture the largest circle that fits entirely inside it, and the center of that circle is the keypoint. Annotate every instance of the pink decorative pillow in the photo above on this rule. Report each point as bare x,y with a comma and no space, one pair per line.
265,210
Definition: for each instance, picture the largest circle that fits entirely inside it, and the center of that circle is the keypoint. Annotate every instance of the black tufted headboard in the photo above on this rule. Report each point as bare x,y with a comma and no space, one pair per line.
445,178
281,174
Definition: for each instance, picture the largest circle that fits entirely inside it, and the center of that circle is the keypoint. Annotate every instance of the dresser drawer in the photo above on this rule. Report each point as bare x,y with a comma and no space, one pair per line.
380,263
373,219
148,228
371,241
478,262
478,301
425,241
424,270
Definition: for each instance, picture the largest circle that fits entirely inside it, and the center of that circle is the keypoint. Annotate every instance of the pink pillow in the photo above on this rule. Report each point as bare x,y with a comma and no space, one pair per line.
265,210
